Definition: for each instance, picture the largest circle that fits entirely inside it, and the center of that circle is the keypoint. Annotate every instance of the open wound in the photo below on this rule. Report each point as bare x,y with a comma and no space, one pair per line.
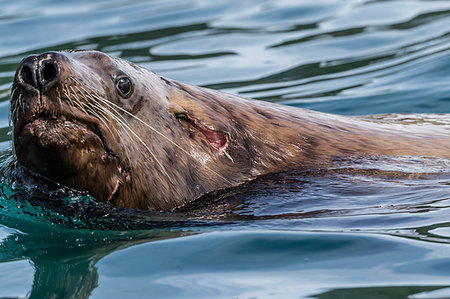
219,140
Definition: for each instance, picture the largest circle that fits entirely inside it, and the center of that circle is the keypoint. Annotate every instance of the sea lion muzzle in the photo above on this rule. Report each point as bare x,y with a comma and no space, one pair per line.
53,134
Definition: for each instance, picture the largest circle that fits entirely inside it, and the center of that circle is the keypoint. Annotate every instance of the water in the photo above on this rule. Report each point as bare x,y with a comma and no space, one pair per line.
345,234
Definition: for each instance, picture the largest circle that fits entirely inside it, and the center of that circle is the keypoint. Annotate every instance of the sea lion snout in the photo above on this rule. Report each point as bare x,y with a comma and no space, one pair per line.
39,71
58,131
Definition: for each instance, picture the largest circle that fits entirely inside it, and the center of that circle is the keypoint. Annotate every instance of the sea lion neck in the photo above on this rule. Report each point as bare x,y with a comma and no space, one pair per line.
280,136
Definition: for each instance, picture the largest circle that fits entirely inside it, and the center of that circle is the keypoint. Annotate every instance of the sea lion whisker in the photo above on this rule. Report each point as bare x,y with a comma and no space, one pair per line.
101,114
92,106
85,107
12,109
15,104
59,96
13,92
143,122
91,90
162,135
67,97
114,116
120,132
67,94
14,113
163,169
20,103
81,104
100,117
148,149
124,125
74,92
74,103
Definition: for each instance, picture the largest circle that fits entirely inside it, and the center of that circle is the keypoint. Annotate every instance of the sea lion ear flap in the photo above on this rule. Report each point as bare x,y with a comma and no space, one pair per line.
191,103
183,99
177,110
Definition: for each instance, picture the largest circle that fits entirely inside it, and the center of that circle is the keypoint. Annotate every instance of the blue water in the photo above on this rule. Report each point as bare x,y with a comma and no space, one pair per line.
335,235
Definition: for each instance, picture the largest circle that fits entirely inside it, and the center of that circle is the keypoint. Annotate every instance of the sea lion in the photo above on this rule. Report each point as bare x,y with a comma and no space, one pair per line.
126,135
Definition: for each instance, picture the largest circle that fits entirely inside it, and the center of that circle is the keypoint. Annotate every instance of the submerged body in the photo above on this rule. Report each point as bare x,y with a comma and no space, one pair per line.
126,135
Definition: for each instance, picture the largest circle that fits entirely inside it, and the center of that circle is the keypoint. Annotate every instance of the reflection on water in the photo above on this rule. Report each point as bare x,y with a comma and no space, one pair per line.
366,228
64,260
254,264
96,242
413,292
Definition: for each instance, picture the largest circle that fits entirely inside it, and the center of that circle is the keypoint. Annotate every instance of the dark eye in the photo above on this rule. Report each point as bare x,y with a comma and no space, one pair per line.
124,86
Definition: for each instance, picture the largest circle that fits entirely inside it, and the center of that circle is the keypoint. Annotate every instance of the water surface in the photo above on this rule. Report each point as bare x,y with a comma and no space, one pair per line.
351,233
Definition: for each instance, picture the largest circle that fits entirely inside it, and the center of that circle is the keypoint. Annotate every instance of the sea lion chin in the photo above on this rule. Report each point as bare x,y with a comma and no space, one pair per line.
126,135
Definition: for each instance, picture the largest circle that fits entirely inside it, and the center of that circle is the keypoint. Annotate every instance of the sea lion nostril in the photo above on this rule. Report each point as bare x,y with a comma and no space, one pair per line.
38,71
49,72
27,75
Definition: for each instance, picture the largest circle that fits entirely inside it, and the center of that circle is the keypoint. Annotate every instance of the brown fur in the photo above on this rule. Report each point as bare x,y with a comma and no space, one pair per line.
178,163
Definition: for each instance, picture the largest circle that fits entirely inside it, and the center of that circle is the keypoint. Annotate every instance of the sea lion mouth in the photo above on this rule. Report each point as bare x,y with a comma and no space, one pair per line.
67,130
52,132
64,147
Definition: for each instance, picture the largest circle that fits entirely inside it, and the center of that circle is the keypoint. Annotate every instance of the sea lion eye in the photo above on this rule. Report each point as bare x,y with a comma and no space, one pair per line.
124,87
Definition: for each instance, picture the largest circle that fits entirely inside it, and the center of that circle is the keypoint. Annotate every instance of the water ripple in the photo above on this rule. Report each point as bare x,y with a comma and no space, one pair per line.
368,227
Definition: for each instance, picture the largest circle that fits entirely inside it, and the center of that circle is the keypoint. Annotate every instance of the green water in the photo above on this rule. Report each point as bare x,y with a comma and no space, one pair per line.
341,235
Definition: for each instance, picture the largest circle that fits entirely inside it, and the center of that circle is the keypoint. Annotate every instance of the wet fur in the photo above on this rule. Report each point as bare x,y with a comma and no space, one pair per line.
166,161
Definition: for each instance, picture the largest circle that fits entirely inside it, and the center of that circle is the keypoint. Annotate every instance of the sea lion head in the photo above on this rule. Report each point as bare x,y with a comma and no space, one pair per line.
106,126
